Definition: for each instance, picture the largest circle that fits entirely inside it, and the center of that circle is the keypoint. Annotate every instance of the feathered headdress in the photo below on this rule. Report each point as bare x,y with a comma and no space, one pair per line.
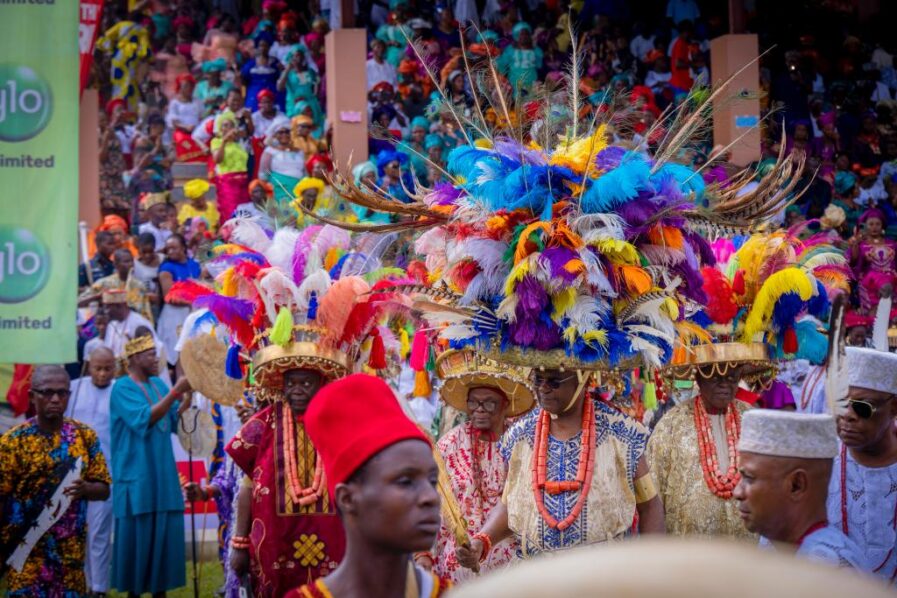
757,297
554,246
297,299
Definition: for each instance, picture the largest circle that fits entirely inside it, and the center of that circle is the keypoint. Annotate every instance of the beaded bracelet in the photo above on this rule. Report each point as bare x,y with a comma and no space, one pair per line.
424,554
487,544
240,542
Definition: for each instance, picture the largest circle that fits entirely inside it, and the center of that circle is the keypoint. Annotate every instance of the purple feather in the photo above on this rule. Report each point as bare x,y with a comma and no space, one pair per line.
301,251
531,298
700,244
609,158
557,258
513,149
443,194
636,213
226,309
692,283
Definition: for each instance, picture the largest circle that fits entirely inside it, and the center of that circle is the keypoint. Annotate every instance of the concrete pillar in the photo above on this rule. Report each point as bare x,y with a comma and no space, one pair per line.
88,161
737,113
347,105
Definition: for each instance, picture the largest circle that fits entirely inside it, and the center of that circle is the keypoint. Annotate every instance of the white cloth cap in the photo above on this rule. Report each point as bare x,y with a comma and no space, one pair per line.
788,434
872,370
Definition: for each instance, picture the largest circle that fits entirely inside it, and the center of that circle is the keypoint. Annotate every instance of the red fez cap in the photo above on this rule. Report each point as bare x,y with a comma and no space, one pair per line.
265,93
351,420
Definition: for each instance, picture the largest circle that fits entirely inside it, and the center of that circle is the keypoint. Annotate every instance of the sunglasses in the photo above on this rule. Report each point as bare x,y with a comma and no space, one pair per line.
487,406
862,409
47,393
552,383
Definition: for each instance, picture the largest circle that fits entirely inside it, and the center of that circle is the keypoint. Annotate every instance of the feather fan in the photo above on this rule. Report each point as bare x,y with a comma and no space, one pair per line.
837,385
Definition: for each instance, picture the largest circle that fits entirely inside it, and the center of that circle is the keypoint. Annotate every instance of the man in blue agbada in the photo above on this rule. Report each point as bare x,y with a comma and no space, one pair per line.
148,503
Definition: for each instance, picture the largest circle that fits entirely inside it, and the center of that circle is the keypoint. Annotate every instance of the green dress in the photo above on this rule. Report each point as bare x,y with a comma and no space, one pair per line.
301,86
393,33
205,92
148,553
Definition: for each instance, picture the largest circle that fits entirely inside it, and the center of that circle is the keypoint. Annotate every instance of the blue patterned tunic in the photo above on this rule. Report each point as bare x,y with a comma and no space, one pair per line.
610,507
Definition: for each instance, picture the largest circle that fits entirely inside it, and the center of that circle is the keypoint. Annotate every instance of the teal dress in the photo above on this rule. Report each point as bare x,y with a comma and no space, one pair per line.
521,67
301,86
204,92
393,33
148,505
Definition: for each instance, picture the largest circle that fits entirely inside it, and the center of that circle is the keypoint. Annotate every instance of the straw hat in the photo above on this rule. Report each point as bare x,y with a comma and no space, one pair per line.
463,370
305,351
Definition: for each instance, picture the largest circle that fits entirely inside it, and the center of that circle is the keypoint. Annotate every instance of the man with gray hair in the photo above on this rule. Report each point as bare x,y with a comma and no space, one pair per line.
786,463
89,404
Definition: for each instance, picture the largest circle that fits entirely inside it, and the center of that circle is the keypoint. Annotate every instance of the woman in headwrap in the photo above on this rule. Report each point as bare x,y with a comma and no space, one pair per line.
846,191
301,127
300,84
152,159
333,206
184,114
873,259
128,43
365,177
261,72
309,193
413,146
281,163
212,90
231,161
394,176
521,62
118,227
394,34
828,146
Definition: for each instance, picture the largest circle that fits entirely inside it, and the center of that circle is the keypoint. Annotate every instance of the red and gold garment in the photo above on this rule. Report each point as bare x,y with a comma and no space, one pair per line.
291,544
429,585
477,471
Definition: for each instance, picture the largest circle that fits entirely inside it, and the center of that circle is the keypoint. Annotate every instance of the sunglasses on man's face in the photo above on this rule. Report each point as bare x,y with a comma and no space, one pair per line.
862,409
47,393
552,383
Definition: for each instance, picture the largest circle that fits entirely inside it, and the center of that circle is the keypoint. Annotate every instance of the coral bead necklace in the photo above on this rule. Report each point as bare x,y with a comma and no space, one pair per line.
299,495
722,485
583,480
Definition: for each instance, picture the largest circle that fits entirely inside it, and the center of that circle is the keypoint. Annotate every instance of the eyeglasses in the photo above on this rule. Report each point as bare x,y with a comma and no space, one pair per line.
552,383
862,409
62,393
488,406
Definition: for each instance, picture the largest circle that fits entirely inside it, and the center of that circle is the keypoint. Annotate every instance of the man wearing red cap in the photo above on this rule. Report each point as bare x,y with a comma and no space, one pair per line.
381,472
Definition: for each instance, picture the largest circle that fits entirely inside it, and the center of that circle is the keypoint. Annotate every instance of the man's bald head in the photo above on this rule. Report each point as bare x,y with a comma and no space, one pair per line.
102,366
44,374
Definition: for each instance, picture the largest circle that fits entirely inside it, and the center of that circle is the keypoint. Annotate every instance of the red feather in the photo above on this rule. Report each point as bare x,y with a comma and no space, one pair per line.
463,273
738,282
789,342
187,291
721,306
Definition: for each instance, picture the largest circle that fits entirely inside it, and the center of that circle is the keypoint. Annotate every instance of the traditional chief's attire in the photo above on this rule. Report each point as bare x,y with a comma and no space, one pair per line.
32,465
473,461
148,555
477,473
804,436
610,510
89,404
862,501
291,544
690,507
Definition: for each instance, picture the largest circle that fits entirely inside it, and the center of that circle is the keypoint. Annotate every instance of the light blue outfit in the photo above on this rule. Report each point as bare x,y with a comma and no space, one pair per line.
148,553
870,501
521,66
830,545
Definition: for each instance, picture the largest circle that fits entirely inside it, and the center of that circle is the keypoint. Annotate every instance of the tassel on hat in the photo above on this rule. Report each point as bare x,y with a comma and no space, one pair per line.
422,386
419,351
232,363
282,331
377,358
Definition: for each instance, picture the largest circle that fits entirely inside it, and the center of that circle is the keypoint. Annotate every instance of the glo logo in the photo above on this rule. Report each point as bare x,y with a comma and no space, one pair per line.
24,264
26,103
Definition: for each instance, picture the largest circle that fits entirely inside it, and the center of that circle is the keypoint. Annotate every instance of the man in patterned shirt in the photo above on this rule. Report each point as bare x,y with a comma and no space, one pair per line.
35,457
786,463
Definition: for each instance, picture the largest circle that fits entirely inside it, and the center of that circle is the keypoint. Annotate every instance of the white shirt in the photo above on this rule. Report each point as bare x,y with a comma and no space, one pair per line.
377,72
285,162
89,404
261,124
187,114
280,51
160,234
119,333
641,45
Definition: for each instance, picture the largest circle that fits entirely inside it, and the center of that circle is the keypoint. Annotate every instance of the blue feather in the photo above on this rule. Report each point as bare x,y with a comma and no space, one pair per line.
620,185
818,305
232,363
686,179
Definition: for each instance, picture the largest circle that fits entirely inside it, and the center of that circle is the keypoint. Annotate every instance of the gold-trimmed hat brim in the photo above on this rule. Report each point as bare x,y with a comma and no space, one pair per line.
466,369
556,359
755,356
270,363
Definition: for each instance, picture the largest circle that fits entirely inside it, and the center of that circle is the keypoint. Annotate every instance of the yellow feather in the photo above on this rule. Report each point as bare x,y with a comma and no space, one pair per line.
688,333
229,283
562,302
520,270
789,280
596,336
579,155
617,251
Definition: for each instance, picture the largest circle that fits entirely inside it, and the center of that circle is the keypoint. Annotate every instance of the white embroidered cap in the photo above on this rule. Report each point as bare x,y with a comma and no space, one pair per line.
788,434
872,370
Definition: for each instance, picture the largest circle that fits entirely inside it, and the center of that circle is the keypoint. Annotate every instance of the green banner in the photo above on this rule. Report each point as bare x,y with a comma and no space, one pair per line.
39,65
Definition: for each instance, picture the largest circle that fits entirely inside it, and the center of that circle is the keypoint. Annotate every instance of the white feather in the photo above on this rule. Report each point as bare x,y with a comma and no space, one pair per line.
595,274
507,309
880,326
595,227
317,282
251,234
280,252
276,288
837,385
457,332
331,236
650,311
586,313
